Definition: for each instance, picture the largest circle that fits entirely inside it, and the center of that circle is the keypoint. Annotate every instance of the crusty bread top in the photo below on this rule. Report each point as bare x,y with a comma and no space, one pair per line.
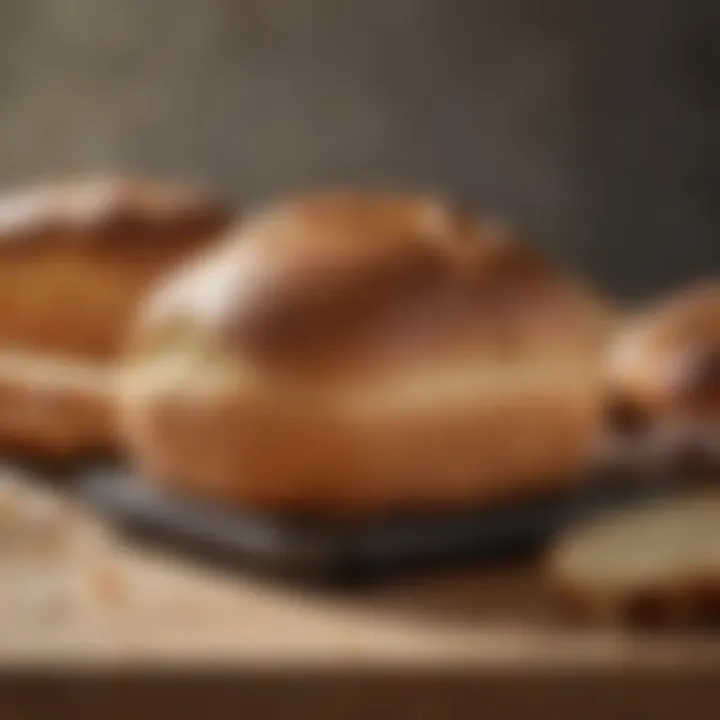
340,280
668,358
76,259
105,213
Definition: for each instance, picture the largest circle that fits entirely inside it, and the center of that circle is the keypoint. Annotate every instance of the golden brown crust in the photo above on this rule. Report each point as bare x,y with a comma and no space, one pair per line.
57,417
339,278
664,381
358,353
669,356
75,261
249,450
106,214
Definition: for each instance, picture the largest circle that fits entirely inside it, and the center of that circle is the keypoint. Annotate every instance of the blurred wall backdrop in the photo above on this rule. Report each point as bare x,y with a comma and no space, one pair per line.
591,124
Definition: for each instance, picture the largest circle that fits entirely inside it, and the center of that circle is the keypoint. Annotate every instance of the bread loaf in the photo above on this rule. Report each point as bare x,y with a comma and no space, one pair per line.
75,259
364,353
663,405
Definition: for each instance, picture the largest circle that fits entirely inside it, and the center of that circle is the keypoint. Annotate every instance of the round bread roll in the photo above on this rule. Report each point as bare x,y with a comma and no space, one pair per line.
656,563
664,382
75,259
360,354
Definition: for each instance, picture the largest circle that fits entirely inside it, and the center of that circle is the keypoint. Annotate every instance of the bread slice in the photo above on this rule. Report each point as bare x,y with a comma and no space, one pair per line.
656,563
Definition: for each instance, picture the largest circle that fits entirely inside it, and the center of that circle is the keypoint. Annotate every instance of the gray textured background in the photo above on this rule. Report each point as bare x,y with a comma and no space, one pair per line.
592,124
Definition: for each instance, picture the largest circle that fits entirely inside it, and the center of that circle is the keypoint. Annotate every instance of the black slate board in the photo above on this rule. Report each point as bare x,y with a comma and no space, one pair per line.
340,552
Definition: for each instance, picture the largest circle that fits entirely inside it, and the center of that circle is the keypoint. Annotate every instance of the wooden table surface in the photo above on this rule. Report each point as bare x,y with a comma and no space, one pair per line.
127,603
144,608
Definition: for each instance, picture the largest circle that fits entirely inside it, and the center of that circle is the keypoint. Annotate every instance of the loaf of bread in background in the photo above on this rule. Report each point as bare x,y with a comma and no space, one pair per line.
664,382
659,563
363,353
75,259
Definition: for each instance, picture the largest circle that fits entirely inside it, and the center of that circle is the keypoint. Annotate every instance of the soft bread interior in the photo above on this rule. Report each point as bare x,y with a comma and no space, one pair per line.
661,545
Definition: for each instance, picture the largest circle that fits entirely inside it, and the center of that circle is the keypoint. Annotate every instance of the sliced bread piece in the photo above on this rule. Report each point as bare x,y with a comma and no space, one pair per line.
656,563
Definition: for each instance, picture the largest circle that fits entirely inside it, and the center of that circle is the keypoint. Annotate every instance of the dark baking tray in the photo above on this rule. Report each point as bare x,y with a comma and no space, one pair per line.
62,471
325,551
